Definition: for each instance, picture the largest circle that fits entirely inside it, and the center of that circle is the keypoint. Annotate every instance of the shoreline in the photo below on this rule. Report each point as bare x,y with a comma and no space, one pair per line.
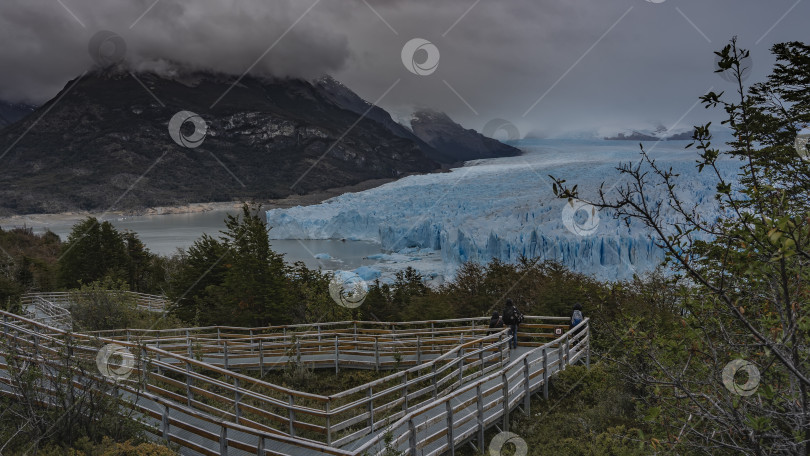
23,220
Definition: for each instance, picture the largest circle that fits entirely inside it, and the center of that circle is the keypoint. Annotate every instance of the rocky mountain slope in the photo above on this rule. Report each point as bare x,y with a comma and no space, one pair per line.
12,112
106,144
453,142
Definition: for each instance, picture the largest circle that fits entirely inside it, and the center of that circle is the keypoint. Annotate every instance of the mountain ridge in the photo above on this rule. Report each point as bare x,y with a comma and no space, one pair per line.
454,142
105,145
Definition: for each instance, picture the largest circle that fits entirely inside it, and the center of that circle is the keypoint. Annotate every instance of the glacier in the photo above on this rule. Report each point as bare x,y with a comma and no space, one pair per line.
504,208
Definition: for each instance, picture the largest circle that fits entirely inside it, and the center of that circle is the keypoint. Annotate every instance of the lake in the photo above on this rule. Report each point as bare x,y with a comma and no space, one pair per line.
164,234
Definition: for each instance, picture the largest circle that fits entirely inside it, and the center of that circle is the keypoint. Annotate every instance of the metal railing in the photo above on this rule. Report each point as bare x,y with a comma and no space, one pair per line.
143,301
197,394
40,309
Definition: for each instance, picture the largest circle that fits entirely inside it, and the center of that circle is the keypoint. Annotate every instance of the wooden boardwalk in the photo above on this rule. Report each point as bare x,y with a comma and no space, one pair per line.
202,388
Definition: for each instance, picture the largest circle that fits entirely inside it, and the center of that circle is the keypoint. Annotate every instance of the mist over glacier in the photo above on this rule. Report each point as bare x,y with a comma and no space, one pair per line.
505,208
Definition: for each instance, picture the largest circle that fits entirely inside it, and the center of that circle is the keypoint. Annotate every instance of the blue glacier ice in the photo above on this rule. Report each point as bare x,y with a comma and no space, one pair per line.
504,208
367,273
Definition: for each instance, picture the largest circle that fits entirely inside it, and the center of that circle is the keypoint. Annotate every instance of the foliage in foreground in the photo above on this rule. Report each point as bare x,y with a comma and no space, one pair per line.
750,267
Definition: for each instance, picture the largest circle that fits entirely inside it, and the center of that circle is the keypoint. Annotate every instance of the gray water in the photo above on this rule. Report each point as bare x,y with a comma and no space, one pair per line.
165,234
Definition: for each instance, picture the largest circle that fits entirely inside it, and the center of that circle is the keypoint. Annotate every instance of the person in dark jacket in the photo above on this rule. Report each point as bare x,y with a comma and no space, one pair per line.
512,317
576,316
495,323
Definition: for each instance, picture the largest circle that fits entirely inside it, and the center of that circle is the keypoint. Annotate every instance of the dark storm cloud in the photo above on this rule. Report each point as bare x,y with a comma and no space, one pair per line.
498,59
46,43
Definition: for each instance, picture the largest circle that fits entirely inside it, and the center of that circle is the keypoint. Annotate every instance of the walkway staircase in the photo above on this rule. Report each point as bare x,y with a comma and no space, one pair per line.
202,388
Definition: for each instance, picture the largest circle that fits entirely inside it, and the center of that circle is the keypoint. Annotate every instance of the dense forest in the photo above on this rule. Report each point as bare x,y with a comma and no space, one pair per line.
661,341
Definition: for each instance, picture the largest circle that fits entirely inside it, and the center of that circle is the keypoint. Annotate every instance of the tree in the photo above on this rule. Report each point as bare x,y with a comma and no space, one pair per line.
106,305
236,279
92,251
96,250
27,263
201,268
256,279
309,298
748,269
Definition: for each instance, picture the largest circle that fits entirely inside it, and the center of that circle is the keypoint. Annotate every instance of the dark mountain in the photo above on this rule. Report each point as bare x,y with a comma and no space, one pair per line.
12,112
345,98
105,145
632,136
684,136
453,142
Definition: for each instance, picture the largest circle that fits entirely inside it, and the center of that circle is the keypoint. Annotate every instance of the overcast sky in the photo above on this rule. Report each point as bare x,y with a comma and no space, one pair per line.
592,64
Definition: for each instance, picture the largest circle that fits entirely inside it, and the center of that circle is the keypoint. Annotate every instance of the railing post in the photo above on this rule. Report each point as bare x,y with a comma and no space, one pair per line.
145,362
545,374
189,394
337,356
412,439
500,346
418,349
505,381
567,351
405,392
260,447
291,414
157,356
377,353
237,398
225,354
328,426
261,358
527,389
480,412
435,384
223,440
461,366
481,356
588,346
370,409
450,440
36,341
165,422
